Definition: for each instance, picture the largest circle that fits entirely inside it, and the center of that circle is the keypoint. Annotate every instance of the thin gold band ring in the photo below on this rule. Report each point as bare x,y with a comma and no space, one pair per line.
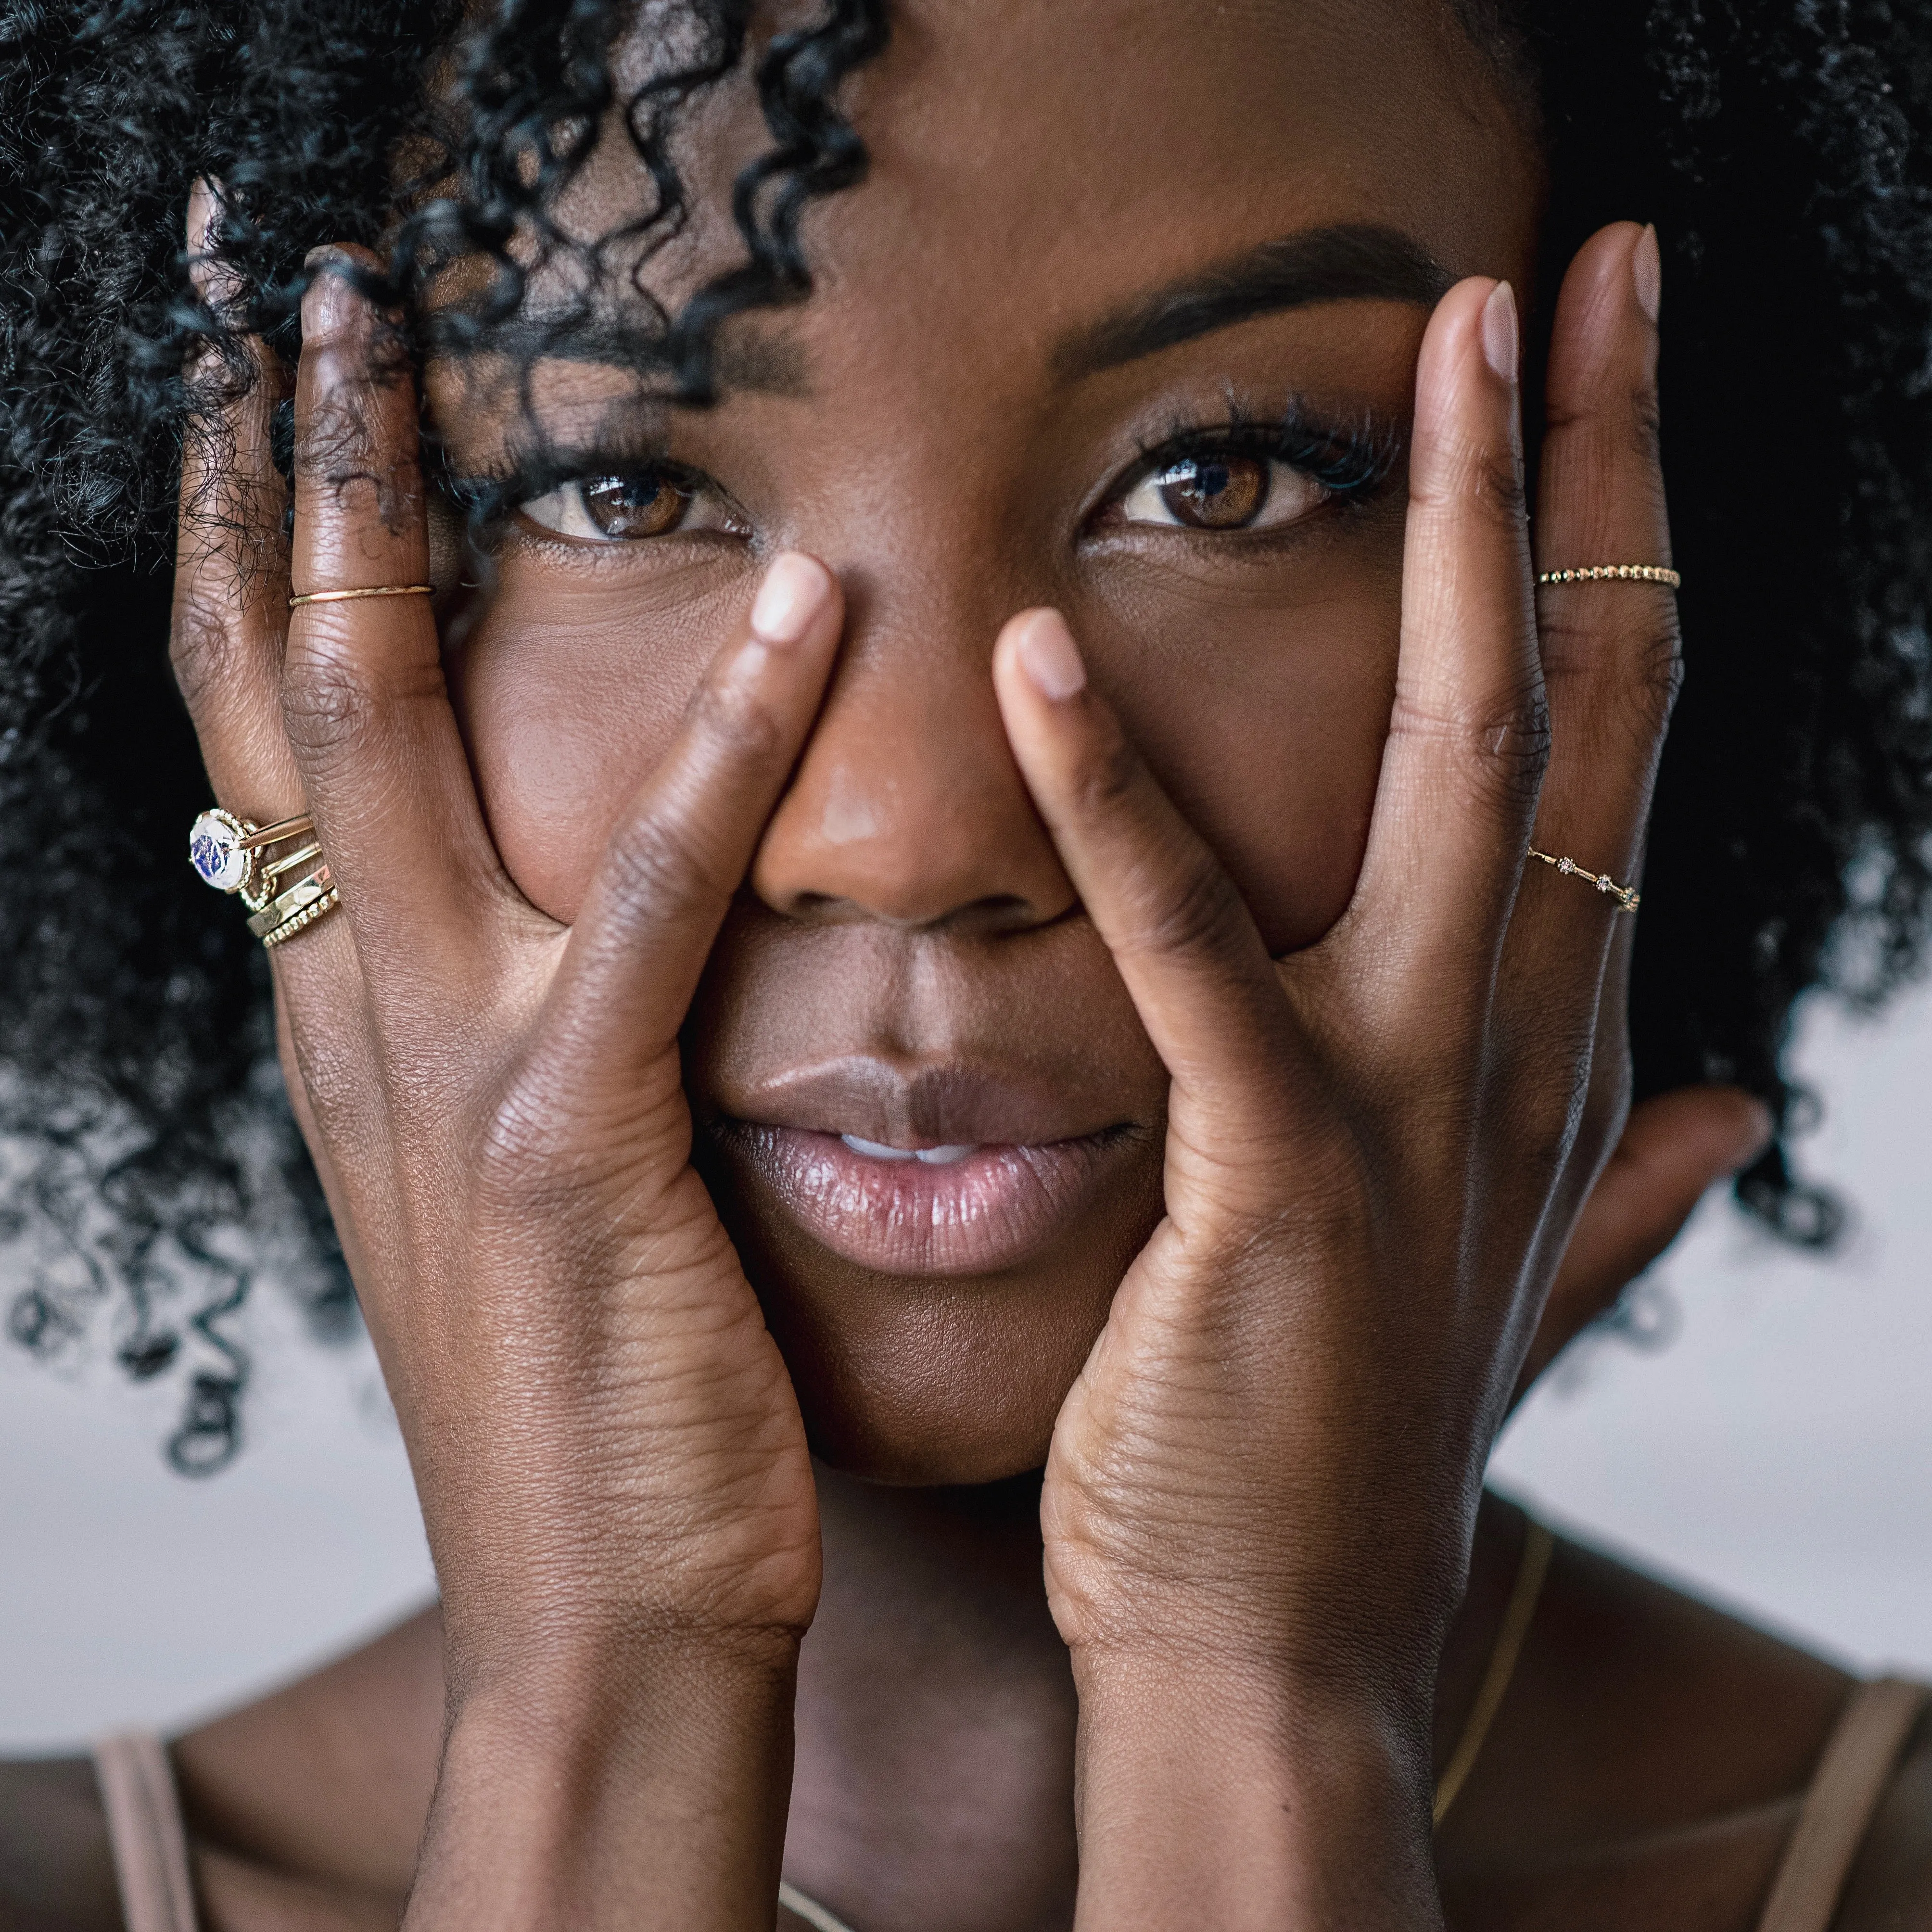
373,590
1628,898
274,835
1606,573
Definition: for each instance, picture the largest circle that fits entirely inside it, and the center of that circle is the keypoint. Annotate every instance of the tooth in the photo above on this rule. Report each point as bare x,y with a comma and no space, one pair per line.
944,1156
875,1149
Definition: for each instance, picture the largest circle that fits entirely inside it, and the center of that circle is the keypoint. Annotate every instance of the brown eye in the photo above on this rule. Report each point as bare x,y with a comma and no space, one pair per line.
1214,493
648,504
1220,490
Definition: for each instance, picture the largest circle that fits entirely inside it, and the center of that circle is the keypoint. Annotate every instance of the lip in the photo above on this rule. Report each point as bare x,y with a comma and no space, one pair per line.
929,1103
990,1210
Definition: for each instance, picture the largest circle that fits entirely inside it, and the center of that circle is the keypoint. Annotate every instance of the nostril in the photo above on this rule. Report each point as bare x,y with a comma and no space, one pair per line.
995,912
998,912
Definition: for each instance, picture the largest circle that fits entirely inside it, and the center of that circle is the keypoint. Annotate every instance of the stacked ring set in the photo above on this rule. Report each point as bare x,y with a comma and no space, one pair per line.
277,871
285,894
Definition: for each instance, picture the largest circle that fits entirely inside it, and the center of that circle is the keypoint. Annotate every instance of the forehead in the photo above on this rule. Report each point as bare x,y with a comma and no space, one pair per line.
1031,133
1037,166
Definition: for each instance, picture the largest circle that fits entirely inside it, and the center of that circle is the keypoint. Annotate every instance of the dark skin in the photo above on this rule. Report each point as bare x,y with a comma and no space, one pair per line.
1024,812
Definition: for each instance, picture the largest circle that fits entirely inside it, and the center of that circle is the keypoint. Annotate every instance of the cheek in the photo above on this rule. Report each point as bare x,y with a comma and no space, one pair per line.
568,698
1266,722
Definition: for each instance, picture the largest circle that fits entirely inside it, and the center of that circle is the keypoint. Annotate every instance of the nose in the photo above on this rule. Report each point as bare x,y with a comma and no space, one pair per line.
907,808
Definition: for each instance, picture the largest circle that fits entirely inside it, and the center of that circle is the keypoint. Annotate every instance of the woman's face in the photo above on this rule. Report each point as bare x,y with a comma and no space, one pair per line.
1124,319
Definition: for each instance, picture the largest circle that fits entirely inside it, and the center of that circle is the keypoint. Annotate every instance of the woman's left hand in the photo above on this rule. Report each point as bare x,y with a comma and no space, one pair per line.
1261,1491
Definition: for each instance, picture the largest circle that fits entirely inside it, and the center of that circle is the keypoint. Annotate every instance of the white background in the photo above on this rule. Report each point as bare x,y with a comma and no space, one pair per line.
1776,1454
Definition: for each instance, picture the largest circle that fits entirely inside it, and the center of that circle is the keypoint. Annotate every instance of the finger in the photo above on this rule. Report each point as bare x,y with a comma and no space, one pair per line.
687,840
1467,733
1676,1147
1610,650
231,562
1183,941
364,699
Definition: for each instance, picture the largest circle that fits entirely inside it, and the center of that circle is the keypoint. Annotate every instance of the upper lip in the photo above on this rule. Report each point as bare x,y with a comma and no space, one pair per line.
873,1098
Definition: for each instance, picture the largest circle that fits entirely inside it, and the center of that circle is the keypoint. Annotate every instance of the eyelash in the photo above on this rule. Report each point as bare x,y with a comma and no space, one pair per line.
1349,463
489,499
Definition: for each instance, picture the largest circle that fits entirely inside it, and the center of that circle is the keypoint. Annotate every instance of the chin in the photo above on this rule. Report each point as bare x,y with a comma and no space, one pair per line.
932,1377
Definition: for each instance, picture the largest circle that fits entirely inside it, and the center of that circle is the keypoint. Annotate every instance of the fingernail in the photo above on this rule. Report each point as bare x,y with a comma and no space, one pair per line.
204,211
1050,658
793,592
1647,269
328,304
1499,331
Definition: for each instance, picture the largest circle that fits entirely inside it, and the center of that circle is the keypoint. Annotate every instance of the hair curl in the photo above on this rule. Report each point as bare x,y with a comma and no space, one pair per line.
147,1158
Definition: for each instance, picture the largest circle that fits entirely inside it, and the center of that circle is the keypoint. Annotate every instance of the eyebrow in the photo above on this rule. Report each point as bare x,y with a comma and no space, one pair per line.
1349,262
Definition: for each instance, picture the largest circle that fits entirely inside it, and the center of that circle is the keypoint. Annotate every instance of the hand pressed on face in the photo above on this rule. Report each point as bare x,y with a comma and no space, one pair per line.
1377,1146
494,1099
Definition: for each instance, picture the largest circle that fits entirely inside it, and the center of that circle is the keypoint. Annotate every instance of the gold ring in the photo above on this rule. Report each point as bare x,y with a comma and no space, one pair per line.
299,901
1600,573
1628,897
374,590
326,904
300,857
283,828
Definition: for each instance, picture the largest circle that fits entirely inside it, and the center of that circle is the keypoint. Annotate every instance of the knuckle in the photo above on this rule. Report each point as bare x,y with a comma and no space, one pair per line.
204,650
1658,674
1626,423
658,869
1630,679
727,716
328,705
1502,750
1644,426
1480,478
354,438
1550,1100
1105,778
521,1146
1190,913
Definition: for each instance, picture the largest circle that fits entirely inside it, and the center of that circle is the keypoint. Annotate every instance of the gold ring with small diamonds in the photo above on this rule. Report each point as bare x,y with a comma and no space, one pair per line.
1628,898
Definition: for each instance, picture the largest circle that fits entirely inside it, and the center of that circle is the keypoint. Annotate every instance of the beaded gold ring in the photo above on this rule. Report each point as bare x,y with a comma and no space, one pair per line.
289,928
1607,573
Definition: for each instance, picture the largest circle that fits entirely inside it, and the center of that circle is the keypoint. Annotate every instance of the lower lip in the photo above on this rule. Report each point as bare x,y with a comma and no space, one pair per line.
990,1210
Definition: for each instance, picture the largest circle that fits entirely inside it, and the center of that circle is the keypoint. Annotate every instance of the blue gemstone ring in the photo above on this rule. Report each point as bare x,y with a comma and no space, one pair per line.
231,854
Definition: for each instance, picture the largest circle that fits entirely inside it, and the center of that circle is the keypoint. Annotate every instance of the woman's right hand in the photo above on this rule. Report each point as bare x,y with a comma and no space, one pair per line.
611,1462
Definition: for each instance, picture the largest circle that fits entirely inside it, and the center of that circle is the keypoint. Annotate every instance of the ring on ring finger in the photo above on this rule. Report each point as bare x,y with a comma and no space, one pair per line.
234,855
1628,898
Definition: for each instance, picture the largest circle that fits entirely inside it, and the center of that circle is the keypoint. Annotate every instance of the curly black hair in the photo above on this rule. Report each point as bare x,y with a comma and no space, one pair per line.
148,1162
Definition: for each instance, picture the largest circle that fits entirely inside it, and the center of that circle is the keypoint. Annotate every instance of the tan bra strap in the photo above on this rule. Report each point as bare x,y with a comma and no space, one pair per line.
1838,1809
144,1827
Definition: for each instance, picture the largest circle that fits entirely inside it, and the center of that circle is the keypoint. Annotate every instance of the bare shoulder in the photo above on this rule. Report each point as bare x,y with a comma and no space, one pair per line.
305,1808
302,1809
1890,1889
56,1871
1646,1768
